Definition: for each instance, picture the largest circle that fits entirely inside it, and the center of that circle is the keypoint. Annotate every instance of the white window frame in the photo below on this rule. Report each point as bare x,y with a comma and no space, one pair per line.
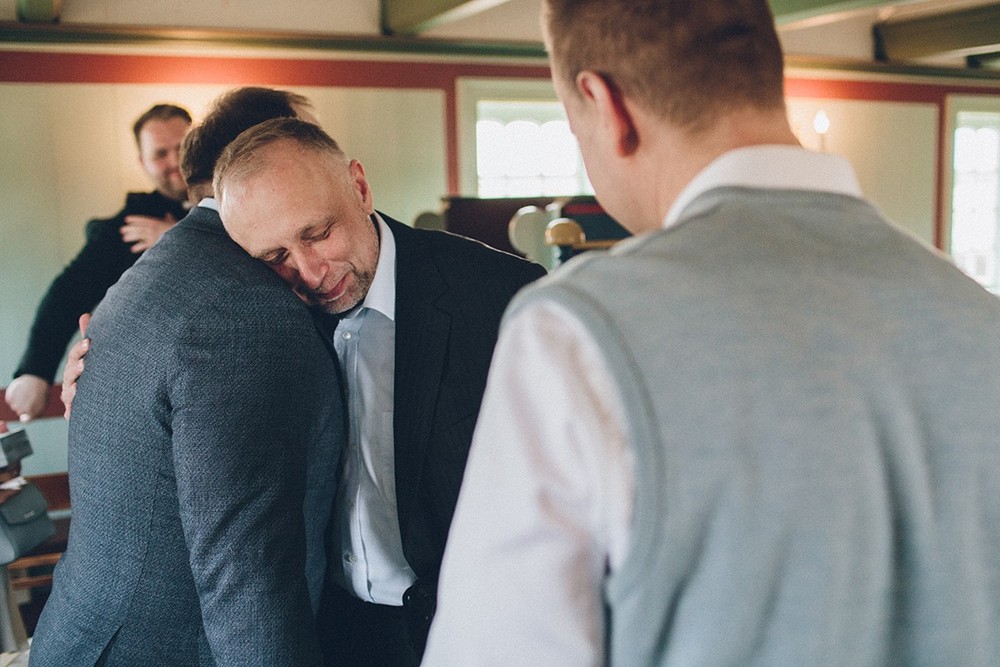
469,92
955,104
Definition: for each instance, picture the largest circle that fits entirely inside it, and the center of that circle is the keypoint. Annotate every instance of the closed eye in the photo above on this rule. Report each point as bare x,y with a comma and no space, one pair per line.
276,259
319,235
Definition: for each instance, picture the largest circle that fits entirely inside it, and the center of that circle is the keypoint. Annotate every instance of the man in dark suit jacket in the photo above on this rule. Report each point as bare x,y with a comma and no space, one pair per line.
450,296
203,450
419,313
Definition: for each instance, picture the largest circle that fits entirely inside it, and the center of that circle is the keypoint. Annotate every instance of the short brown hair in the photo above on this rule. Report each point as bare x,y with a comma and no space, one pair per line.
159,112
232,113
687,61
241,157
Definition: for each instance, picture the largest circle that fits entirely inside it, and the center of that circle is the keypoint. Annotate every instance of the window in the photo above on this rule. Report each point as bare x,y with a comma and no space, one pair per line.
972,211
525,149
974,205
520,144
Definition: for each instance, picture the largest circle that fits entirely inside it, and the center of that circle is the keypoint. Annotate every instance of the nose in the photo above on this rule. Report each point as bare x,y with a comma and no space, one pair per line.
310,267
174,158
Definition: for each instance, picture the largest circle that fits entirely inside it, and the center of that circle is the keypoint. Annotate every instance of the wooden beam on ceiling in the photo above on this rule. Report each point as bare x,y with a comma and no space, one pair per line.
790,11
16,32
39,11
965,32
990,61
411,17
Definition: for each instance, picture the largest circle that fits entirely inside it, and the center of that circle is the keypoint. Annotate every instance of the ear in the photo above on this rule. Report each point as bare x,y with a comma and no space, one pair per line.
361,186
613,114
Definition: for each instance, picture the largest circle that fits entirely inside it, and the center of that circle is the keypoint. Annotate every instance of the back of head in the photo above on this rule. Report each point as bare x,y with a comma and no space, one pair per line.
159,112
687,61
232,113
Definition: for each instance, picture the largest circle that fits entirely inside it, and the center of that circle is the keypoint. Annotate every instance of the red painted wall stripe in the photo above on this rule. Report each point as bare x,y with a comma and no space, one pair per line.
47,67
882,91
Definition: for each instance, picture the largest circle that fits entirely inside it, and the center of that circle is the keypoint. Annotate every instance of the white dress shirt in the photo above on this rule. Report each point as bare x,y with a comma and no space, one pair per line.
546,502
366,523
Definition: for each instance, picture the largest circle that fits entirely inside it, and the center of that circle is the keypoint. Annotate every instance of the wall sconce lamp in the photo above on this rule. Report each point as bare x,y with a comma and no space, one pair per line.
821,123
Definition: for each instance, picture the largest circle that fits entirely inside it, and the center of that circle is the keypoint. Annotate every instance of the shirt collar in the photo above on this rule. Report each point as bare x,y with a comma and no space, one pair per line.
209,202
775,167
382,292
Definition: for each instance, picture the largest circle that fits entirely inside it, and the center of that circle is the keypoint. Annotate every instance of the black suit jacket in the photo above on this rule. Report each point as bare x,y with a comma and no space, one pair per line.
451,293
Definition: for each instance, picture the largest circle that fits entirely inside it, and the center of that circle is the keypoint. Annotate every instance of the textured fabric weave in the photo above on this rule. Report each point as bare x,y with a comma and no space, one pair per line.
208,394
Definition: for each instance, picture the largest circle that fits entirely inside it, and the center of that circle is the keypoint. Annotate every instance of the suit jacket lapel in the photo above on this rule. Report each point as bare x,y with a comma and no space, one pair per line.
422,332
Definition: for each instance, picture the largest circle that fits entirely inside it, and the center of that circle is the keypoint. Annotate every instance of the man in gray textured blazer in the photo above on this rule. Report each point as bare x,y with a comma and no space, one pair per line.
764,431
203,448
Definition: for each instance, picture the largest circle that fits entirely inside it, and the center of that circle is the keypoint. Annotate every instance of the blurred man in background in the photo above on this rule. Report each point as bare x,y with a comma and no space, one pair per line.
112,246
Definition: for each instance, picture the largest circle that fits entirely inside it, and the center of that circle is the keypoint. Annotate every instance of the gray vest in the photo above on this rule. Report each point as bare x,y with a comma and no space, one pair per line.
812,398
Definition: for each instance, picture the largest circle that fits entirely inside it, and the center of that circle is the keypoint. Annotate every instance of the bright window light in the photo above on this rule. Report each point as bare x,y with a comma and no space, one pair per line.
526,149
975,201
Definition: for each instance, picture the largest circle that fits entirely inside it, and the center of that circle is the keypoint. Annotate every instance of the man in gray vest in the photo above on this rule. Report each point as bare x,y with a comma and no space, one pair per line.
764,430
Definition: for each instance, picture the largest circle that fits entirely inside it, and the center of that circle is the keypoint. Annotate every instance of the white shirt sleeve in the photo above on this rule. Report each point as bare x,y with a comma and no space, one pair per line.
545,506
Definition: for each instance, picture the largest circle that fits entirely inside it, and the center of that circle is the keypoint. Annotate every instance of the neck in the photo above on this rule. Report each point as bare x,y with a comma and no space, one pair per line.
198,191
167,195
678,155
